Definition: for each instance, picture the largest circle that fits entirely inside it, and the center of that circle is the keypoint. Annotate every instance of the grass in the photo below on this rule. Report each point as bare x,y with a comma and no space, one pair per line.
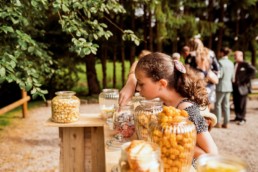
82,87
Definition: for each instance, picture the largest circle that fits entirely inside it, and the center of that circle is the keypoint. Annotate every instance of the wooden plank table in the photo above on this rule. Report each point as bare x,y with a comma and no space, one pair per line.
82,145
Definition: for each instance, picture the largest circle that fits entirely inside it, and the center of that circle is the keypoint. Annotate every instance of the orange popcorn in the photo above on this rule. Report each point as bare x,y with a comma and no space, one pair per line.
176,136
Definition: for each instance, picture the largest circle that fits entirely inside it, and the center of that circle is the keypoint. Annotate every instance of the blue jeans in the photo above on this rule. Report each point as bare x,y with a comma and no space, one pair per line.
222,105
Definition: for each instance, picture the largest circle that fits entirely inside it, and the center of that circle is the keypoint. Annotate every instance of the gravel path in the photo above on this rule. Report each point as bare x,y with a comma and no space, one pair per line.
29,146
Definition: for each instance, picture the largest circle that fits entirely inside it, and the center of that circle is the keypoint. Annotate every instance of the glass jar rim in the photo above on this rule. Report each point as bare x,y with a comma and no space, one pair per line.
110,90
153,102
227,159
65,93
155,153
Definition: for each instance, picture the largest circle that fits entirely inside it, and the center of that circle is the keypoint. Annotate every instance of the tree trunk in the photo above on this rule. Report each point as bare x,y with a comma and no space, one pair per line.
114,66
221,29
123,62
150,40
253,52
104,65
210,19
132,47
145,25
91,73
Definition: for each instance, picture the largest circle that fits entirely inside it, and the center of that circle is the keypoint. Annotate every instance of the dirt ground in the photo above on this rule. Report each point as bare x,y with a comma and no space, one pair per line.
29,146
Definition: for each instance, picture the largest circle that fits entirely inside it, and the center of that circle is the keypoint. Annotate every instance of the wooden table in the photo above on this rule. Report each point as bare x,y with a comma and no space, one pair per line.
82,145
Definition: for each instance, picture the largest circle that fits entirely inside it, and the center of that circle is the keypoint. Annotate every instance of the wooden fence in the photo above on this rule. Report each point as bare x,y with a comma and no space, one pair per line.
23,101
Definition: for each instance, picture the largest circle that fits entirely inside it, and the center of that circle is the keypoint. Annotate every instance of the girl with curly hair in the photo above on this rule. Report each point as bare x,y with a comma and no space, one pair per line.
158,76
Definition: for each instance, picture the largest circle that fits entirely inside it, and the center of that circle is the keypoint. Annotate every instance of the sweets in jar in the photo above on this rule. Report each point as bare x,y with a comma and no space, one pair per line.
146,114
124,121
176,136
140,156
65,107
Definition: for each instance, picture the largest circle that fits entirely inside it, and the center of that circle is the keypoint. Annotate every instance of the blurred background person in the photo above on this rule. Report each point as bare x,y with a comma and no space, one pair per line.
176,56
202,61
224,88
241,86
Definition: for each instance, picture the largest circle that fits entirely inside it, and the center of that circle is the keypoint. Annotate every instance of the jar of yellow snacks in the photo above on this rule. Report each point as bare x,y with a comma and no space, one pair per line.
221,163
65,107
144,115
176,136
108,101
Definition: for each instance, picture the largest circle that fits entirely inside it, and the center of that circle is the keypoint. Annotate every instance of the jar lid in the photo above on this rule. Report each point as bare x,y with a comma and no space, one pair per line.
65,93
151,103
110,93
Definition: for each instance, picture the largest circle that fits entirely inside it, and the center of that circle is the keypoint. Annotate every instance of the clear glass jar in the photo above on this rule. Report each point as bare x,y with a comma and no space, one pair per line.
136,100
221,163
141,156
108,101
124,121
65,107
176,136
144,115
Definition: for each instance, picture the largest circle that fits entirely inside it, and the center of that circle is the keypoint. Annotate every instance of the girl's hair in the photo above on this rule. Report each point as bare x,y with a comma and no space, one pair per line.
202,56
160,66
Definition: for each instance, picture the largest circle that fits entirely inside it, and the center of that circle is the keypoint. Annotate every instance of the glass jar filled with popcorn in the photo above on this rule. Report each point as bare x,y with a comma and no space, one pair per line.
144,115
65,107
108,101
176,136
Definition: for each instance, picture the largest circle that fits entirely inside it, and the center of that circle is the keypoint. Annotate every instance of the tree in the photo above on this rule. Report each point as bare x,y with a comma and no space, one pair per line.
25,55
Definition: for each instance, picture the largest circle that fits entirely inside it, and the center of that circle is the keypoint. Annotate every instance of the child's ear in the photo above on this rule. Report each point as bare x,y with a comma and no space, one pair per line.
163,82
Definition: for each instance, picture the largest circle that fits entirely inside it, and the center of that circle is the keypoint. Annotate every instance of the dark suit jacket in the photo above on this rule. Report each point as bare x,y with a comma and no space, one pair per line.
244,73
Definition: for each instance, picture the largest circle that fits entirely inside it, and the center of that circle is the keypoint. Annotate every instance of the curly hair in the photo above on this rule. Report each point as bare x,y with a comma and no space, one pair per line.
202,56
159,66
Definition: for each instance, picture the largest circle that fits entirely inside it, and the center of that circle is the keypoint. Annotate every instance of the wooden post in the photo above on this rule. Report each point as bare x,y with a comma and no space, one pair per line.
23,101
25,104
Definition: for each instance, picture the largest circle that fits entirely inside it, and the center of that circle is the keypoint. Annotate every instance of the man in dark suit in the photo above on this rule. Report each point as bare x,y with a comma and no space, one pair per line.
241,86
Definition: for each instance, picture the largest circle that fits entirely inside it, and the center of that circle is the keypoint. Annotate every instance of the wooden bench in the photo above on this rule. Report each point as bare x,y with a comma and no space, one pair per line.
23,101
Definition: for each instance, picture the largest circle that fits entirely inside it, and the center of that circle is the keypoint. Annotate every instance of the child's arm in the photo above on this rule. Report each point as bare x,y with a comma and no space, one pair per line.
129,88
205,144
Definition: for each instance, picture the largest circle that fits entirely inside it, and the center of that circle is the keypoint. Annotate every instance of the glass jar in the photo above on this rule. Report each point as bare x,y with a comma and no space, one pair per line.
144,115
108,101
136,100
176,136
65,107
139,155
221,163
124,121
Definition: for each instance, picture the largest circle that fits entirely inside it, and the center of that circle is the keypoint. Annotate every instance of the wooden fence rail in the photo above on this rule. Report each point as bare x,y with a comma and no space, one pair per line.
23,101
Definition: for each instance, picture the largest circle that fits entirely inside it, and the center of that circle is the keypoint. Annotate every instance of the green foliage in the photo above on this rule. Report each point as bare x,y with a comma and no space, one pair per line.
24,60
26,57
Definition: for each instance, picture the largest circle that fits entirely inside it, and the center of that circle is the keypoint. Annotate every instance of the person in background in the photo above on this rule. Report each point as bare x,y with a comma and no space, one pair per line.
158,76
176,56
186,54
224,88
241,86
202,61
128,90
